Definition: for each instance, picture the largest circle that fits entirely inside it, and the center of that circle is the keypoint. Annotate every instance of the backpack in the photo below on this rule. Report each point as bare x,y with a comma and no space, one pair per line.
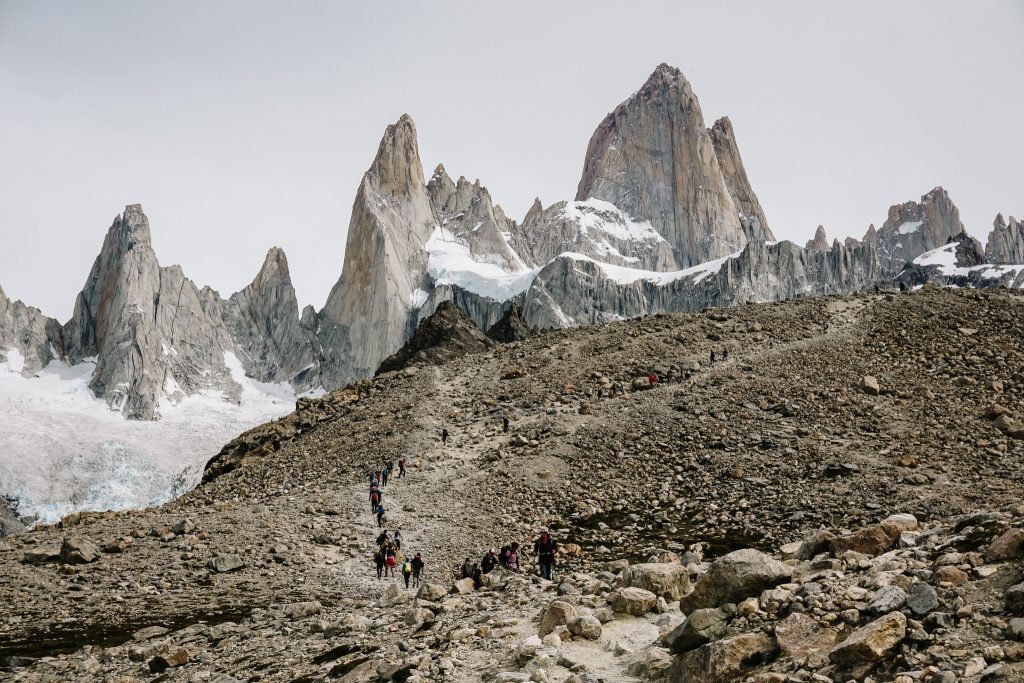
503,554
407,567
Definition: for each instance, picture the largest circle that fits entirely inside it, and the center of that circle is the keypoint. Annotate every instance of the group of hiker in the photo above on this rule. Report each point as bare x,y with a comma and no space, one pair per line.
725,355
388,554
544,550
378,480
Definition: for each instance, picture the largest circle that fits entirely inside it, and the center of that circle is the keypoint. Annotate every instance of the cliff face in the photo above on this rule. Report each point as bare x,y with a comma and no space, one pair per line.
368,313
653,158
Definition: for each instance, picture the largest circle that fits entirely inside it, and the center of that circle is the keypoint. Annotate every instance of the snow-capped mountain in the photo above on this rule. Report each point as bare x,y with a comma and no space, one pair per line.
664,219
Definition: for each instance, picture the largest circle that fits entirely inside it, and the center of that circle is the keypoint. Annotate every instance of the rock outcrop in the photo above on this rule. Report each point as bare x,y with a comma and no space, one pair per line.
443,336
368,313
653,158
819,242
512,327
28,339
1005,242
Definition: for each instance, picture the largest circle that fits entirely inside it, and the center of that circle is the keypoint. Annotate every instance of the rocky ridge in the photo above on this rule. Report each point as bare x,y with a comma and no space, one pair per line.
838,500
665,220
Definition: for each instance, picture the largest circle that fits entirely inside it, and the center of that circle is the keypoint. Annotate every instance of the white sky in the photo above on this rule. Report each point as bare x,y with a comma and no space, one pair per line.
246,124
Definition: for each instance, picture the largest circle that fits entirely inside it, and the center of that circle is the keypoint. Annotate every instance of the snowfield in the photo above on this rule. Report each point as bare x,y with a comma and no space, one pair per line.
63,450
450,263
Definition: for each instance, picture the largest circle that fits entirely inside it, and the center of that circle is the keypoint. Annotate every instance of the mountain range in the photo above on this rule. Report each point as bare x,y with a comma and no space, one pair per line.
665,219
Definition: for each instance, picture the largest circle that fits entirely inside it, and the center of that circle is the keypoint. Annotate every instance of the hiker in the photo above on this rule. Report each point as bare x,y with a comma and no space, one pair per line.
503,556
384,476
378,559
383,538
652,379
466,572
512,558
407,572
712,355
504,425
375,500
401,468
544,550
398,539
380,515
725,355
389,562
478,581
489,562
417,569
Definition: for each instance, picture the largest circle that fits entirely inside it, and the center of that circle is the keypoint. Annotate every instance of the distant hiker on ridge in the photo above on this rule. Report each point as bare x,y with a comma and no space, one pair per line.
444,437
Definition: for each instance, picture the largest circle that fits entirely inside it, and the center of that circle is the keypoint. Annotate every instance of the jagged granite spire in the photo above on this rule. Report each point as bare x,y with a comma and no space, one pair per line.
264,321
819,242
752,217
367,315
913,228
653,158
150,330
1005,242
28,339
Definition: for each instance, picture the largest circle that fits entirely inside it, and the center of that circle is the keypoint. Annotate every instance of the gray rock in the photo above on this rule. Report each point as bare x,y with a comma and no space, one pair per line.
668,580
586,626
34,338
1015,599
225,563
871,642
557,613
735,576
922,599
723,661
700,627
1005,242
78,551
887,599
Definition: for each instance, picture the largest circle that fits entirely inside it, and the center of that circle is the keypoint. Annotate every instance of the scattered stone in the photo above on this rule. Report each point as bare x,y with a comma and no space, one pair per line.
735,576
872,642
78,551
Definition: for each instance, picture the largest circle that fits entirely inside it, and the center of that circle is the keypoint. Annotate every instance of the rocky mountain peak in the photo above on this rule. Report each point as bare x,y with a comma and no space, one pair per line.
653,158
535,209
820,240
752,218
1005,242
912,228
397,165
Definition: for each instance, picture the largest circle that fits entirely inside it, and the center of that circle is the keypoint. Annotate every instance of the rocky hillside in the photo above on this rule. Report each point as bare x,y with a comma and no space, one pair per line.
838,499
665,219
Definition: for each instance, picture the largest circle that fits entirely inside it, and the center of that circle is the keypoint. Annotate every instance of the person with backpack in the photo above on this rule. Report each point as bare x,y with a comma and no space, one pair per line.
407,572
712,356
489,562
383,538
401,467
417,570
725,355
477,577
444,437
504,425
544,550
375,500
378,559
398,539
380,515
466,572
512,558
503,556
389,561
384,476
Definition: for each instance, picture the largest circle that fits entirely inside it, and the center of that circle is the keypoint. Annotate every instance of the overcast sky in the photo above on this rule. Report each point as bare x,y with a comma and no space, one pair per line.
243,125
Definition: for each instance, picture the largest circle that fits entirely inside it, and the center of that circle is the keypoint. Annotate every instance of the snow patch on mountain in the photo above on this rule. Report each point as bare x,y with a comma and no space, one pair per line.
449,262
944,258
63,450
627,276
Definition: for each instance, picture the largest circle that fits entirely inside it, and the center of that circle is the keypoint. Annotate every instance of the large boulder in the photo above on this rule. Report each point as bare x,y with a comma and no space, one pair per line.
871,642
635,601
800,636
723,661
1008,546
78,551
558,613
225,563
431,592
701,627
872,540
1015,599
668,580
736,576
